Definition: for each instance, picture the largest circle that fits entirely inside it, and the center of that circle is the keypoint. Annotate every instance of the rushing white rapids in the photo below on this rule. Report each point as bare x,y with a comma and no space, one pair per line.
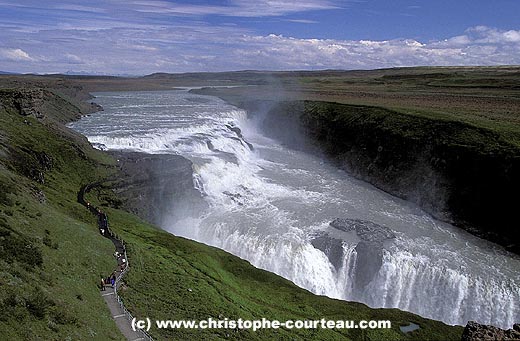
269,203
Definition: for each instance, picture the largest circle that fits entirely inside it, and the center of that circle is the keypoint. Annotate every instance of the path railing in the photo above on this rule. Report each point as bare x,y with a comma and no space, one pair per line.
119,278
114,237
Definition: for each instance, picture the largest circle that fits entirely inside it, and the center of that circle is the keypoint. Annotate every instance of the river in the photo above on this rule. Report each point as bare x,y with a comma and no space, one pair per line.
270,205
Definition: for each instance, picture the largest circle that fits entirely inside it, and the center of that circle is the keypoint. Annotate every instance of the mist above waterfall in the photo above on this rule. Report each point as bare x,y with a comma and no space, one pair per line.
274,206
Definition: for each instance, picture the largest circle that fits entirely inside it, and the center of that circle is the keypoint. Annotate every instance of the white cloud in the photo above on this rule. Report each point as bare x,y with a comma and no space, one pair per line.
234,8
482,35
303,21
144,36
15,54
277,7
488,47
80,8
202,47
72,58
133,10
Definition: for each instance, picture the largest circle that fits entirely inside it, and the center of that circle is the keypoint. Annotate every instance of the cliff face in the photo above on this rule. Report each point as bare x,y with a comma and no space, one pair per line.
39,103
58,100
156,187
456,172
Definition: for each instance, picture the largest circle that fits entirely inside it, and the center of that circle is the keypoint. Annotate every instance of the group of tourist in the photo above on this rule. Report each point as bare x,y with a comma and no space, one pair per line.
103,229
110,280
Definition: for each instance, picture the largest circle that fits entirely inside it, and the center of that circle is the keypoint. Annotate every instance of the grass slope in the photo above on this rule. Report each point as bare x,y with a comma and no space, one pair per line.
50,253
51,256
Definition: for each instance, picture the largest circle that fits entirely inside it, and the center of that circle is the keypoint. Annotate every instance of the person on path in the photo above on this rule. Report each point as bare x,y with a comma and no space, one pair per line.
102,284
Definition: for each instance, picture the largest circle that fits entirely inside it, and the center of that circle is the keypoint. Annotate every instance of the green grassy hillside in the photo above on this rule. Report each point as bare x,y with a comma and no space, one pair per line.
51,254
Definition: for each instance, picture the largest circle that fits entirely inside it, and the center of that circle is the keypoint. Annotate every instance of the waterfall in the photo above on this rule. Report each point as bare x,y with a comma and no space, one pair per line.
273,206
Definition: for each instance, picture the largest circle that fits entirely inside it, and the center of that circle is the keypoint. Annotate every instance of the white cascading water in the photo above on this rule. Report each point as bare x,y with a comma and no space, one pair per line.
269,205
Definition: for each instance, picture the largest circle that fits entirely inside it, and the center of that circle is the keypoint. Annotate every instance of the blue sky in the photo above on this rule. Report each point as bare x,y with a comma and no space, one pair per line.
141,36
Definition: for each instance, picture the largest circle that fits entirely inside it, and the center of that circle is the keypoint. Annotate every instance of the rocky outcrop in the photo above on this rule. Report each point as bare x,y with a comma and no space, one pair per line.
369,238
367,231
33,107
465,175
28,102
330,246
34,164
42,104
156,187
479,332
240,137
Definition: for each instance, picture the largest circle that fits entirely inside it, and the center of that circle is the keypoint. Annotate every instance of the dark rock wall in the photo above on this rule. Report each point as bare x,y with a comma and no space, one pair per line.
156,187
479,332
